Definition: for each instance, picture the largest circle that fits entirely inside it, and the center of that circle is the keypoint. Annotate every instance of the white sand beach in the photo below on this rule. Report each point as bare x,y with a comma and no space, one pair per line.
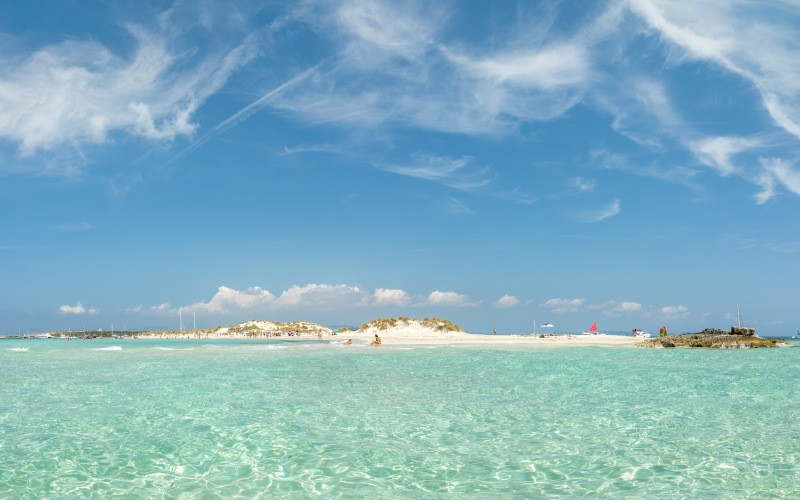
414,333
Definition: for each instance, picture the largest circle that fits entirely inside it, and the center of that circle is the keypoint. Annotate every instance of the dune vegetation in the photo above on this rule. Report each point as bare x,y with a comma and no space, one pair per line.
436,324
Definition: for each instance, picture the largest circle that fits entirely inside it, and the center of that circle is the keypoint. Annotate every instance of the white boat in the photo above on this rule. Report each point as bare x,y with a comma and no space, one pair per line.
642,334
546,325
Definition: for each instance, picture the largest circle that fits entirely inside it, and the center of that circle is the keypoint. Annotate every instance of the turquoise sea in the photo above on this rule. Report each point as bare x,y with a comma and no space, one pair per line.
268,418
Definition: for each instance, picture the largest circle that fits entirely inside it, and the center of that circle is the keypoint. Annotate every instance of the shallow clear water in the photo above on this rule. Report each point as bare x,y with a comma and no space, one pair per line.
194,418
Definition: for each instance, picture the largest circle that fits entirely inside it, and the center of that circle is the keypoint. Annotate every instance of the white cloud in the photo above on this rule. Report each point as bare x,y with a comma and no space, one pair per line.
615,308
387,297
561,306
629,307
605,213
163,308
506,301
582,184
401,29
312,296
228,300
77,309
79,92
778,171
438,298
320,297
674,311
718,152
546,68
396,65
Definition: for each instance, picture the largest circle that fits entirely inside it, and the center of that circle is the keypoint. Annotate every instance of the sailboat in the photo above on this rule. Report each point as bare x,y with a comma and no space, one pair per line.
592,330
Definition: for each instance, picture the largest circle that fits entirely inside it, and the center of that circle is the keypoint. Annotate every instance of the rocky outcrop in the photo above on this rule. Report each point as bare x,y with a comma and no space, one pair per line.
736,338
740,330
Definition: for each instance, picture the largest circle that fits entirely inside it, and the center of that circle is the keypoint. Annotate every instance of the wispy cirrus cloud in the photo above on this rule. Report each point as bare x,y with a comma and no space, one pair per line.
718,152
64,96
75,226
755,42
562,306
452,206
723,33
458,173
394,64
741,242
604,213
582,184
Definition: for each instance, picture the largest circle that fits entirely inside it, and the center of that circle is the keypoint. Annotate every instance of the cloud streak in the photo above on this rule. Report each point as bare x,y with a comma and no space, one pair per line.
457,173
610,211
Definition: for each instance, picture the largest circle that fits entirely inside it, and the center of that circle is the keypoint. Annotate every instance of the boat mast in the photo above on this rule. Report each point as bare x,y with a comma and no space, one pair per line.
739,314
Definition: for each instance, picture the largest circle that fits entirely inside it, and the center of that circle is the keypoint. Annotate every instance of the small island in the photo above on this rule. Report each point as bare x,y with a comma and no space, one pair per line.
737,338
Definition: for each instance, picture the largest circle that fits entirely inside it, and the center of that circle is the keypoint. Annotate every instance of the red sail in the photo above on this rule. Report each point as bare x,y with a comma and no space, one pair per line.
594,327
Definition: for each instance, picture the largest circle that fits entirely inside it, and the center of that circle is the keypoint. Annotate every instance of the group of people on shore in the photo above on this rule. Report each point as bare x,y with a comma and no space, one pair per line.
376,341
661,333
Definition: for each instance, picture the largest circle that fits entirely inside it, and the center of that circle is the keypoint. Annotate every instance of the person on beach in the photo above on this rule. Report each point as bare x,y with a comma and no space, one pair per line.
347,342
376,341
633,332
662,332
494,331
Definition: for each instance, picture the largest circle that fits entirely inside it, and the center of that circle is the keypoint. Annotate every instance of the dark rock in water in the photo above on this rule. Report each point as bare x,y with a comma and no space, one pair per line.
738,337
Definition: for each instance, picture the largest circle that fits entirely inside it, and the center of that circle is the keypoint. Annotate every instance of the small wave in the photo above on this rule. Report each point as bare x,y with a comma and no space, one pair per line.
270,347
20,349
109,348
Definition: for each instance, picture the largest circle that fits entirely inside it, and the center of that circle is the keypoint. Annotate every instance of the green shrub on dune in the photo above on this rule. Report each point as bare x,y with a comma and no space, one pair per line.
436,324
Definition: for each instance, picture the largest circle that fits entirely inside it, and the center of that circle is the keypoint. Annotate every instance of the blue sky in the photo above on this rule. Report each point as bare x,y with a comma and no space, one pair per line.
494,163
